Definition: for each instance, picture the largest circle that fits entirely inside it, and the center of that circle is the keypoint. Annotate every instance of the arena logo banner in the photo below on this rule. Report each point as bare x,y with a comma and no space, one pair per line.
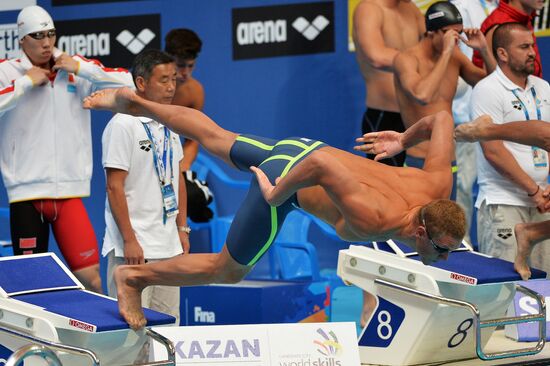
80,2
113,41
282,30
9,42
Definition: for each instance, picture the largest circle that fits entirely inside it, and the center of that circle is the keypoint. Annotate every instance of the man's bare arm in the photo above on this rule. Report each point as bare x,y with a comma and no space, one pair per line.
133,253
468,71
309,172
368,38
390,143
190,147
190,152
504,162
533,133
420,89
323,169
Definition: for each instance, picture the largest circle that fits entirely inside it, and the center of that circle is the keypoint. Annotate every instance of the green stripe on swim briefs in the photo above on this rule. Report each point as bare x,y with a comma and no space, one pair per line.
292,161
271,237
278,157
258,144
297,157
292,142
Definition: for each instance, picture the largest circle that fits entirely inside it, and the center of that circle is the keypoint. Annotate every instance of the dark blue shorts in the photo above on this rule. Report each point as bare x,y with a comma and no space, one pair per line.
256,223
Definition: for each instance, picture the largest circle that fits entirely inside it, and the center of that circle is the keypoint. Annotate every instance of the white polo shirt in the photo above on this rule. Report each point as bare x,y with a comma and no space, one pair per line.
494,96
126,146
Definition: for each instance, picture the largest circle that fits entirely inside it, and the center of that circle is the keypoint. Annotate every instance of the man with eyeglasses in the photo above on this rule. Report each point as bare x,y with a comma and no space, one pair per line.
45,144
426,75
362,199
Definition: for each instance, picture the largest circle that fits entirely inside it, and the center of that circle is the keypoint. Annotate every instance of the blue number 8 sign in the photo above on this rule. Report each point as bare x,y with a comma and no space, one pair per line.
383,325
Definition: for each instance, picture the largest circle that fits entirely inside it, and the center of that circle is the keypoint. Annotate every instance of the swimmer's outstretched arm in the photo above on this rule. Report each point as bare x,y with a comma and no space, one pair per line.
323,169
437,128
390,143
534,133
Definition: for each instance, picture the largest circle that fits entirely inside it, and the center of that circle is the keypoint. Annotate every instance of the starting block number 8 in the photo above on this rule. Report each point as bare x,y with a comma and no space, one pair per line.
461,333
383,325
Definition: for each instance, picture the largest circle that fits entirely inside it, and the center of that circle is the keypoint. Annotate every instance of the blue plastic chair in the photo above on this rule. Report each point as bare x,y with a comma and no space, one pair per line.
293,256
218,227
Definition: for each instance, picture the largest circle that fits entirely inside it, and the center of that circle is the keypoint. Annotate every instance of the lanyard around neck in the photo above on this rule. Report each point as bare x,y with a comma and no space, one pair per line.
525,111
161,164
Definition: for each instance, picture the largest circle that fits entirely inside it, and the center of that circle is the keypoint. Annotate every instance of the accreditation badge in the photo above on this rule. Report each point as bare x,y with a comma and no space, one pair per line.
540,158
169,199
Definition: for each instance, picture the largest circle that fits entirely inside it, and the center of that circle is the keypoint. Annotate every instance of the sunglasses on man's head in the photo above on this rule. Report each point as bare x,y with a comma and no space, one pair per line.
41,35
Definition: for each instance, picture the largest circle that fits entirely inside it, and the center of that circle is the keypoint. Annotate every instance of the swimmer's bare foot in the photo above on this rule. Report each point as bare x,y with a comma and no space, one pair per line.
129,298
115,100
524,250
473,131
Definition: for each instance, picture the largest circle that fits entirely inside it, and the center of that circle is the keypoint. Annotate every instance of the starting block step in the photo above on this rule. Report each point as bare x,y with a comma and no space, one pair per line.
42,300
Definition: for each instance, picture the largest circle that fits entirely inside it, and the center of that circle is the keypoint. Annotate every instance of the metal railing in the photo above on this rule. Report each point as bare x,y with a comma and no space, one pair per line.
33,350
479,324
48,346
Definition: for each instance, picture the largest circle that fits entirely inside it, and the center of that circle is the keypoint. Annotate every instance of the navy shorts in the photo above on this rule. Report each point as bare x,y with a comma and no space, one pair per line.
256,223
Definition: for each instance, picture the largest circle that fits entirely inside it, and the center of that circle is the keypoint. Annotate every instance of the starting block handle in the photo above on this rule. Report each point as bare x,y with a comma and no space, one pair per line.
52,345
170,349
48,345
540,318
478,324
33,350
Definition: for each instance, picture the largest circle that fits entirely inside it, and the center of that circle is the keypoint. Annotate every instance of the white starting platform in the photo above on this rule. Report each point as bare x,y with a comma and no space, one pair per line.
438,313
42,303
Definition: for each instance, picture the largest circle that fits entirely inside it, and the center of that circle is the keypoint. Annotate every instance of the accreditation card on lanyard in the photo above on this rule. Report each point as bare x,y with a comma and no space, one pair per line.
170,203
540,157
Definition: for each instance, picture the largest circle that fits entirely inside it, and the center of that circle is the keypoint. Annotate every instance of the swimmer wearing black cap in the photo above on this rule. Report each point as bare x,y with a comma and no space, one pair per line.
426,75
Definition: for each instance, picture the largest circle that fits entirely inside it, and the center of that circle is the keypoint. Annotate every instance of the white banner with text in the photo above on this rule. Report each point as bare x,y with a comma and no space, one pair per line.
303,344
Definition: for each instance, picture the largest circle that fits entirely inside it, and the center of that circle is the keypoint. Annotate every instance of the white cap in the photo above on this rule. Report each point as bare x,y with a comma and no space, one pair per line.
33,19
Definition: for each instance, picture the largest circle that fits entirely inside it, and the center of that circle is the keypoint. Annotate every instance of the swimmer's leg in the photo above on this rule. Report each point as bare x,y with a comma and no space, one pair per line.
182,270
527,236
185,121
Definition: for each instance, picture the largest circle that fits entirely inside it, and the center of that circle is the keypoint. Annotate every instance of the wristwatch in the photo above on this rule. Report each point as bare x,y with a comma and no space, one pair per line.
184,229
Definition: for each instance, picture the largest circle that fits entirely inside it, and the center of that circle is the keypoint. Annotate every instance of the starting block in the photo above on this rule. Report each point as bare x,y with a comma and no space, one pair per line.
41,302
442,312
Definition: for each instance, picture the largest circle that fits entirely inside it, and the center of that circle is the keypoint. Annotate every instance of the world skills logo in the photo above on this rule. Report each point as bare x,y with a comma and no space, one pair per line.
328,345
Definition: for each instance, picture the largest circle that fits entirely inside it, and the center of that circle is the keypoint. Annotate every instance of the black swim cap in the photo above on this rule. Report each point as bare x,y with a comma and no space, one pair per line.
442,14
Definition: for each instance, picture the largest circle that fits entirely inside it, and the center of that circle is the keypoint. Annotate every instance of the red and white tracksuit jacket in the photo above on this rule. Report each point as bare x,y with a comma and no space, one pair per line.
45,134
